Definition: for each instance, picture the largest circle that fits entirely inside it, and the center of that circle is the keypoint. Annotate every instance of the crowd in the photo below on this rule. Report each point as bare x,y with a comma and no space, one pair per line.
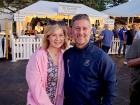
37,25
126,34
129,37
83,74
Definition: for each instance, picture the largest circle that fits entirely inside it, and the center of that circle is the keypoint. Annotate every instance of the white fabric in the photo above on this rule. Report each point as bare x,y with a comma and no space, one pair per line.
1,51
39,8
137,36
47,8
3,16
129,9
5,44
91,12
7,13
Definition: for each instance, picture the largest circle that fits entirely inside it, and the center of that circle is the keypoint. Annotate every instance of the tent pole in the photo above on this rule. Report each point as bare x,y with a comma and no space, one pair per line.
7,33
19,26
68,21
128,20
132,20
114,18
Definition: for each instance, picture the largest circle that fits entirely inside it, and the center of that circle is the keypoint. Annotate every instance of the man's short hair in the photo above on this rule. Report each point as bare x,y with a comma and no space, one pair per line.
80,17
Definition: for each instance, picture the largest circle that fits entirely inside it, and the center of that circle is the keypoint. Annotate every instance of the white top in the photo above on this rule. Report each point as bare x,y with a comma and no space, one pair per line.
1,51
137,36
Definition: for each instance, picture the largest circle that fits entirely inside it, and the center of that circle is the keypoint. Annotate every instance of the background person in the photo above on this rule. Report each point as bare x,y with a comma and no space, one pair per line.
129,36
45,72
115,32
107,36
122,43
133,57
38,28
93,32
137,34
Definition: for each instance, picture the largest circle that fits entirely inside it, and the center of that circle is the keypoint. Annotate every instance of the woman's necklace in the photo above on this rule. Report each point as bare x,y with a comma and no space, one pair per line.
54,57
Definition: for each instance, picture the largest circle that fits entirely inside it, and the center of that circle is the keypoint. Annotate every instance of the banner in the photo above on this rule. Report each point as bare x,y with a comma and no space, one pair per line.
109,21
19,18
67,9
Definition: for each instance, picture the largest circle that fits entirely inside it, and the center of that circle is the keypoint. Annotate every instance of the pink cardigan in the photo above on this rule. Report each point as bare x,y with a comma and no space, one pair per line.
36,76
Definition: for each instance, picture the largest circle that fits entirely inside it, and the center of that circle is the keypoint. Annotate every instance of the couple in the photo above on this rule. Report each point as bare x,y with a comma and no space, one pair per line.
90,77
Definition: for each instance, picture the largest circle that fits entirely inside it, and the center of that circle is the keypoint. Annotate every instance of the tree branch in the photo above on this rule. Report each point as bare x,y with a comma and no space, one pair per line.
4,12
13,11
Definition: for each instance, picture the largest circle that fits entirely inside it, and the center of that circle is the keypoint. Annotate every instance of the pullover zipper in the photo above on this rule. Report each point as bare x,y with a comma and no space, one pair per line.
68,67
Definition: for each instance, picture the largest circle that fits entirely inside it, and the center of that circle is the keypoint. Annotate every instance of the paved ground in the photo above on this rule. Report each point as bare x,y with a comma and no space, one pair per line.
123,79
13,87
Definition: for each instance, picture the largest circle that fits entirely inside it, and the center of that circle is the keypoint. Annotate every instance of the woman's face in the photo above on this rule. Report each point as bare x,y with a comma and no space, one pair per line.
57,38
38,23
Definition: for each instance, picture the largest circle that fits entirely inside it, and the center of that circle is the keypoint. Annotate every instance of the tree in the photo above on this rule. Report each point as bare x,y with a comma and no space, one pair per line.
117,2
97,4
112,3
14,5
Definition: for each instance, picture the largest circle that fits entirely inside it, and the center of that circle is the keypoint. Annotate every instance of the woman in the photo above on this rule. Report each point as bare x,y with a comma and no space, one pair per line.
38,28
45,72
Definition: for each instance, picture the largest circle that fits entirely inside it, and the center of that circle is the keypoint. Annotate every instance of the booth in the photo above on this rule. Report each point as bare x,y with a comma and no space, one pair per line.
24,45
4,16
6,21
54,10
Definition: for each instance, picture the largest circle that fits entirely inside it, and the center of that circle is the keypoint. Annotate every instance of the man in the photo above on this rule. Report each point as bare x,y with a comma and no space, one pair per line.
93,31
133,57
137,36
128,38
122,44
135,28
107,36
137,33
90,77
115,32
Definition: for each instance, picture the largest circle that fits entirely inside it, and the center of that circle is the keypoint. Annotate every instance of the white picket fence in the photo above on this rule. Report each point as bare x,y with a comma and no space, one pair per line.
115,46
24,47
2,51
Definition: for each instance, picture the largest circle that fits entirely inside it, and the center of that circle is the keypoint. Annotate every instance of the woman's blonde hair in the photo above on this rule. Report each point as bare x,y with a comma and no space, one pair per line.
49,30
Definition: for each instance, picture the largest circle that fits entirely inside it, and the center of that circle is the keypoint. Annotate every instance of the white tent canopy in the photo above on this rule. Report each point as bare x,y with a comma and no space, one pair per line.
39,8
48,8
92,12
82,9
5,15
55,10
129,9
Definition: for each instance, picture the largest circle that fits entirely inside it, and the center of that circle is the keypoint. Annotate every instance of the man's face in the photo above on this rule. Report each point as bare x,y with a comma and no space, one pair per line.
81,32
135,27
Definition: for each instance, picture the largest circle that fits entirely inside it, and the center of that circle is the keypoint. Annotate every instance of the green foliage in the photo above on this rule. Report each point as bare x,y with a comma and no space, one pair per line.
96,4
117,2
15,5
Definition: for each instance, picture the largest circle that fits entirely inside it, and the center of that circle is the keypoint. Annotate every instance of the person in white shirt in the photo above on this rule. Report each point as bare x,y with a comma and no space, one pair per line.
137,36
38,28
